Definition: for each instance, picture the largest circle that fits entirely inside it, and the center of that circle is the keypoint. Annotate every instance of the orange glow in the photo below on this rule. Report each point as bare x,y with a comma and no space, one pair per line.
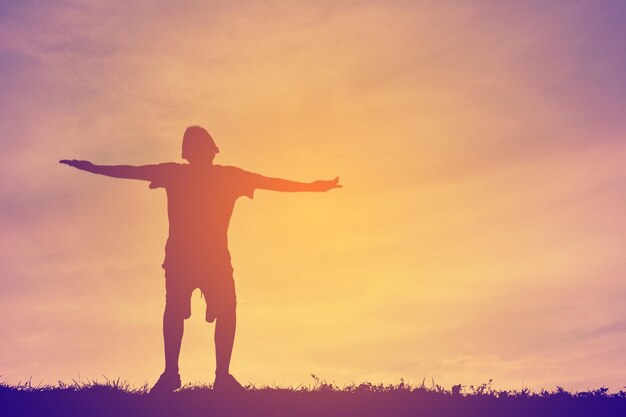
479,234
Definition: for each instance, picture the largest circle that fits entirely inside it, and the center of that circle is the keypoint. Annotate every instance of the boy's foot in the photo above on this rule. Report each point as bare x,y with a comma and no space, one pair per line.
227,383
168,382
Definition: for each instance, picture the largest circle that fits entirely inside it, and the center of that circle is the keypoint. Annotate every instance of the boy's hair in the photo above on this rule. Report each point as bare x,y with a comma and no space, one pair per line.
197,138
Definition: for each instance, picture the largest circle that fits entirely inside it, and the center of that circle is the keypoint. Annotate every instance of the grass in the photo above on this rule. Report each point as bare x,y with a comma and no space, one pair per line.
321,398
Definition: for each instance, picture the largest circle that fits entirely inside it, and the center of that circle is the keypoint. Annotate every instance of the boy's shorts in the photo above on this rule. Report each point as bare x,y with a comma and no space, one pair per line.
218,290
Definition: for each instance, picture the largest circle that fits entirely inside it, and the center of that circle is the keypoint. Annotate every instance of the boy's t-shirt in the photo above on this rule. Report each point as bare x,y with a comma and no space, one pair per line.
200,202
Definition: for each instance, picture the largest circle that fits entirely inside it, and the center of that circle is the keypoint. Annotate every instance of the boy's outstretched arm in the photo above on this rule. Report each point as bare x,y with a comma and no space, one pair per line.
145,172
279,184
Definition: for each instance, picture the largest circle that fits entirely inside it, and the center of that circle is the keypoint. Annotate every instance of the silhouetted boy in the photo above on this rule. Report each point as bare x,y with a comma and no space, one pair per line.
200,200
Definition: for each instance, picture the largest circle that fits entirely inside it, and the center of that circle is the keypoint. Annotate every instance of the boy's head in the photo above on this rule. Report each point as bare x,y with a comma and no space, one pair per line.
198,145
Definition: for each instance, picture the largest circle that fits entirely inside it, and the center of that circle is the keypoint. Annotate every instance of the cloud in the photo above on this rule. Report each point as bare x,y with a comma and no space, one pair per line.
480,146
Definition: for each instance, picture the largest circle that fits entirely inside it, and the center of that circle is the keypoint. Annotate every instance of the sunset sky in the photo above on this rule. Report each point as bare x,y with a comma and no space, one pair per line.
480,233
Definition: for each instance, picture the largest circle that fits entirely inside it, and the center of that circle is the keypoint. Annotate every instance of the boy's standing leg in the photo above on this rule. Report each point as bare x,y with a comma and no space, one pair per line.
225,327
224,337
224,300
177,309
173,329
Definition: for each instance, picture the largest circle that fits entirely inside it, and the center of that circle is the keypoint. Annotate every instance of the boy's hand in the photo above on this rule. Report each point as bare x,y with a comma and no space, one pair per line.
322,185
83,165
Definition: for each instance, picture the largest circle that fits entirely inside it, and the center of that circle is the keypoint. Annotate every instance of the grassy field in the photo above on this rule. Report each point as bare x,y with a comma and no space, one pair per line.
116,398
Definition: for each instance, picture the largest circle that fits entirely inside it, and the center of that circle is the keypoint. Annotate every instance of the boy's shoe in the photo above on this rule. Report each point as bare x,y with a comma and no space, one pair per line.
227,383
167,383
